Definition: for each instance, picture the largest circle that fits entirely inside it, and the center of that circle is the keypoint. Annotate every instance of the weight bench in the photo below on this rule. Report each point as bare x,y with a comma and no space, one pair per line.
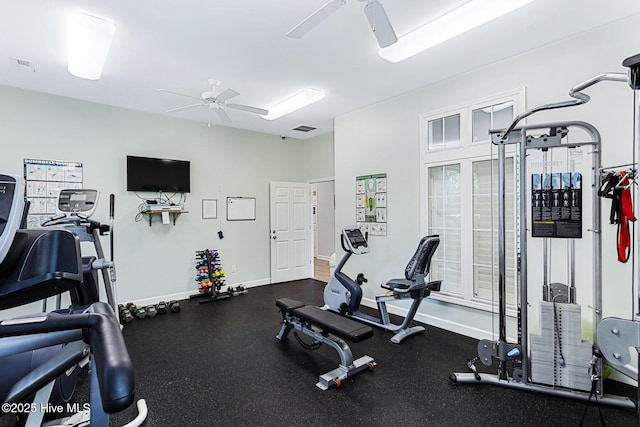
328,328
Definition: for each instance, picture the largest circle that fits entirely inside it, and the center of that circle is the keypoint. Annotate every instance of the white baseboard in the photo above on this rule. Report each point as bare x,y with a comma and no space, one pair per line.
185,295
323,257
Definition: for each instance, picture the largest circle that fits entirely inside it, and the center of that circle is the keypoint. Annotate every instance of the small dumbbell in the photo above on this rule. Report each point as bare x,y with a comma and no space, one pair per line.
131,307
161,308
126,316
141,313
151,311
174,306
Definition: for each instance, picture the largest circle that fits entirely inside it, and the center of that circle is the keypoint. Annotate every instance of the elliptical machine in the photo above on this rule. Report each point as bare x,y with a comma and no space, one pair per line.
73,212
343,295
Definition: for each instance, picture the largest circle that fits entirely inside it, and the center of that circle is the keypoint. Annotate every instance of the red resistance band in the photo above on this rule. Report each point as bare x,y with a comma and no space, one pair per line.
625,215
615,186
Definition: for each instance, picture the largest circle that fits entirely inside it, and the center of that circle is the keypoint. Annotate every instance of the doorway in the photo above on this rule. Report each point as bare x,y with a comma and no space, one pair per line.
323,214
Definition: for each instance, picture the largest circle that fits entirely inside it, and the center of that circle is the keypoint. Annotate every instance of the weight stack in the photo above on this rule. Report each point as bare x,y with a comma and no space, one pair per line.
563,321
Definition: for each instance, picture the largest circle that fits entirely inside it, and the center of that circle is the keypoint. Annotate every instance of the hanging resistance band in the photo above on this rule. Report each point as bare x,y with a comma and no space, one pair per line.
616,186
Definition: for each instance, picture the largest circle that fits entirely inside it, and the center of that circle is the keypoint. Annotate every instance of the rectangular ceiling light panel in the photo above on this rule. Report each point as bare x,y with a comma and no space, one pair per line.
294,102
460,20
89,42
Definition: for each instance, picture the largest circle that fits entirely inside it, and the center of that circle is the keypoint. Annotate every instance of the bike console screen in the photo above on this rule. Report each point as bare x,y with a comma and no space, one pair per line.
356,242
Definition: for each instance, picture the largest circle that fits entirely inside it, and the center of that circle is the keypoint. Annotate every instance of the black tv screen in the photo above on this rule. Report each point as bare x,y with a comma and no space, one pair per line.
150,174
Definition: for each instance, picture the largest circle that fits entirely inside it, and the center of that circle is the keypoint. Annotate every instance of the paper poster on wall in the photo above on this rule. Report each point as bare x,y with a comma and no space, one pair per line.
209,209
43,181
371,203
241,208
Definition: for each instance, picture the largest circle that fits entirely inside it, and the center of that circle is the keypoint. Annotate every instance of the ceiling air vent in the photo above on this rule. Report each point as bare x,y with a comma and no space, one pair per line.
304,128
24,64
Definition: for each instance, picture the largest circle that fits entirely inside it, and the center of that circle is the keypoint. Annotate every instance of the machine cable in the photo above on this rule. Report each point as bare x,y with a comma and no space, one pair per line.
593,393
313,346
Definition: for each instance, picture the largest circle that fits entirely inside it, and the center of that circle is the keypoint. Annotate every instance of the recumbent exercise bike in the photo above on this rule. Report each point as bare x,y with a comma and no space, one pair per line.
343,295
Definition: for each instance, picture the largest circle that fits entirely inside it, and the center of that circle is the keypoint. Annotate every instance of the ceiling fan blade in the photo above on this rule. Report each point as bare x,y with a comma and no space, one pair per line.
226,94
184,107
222,115
181,94
246,108
380,24
315,18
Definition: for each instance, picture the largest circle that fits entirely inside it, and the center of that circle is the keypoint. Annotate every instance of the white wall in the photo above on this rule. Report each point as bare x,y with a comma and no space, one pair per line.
157,262
384,138
318,157
318,169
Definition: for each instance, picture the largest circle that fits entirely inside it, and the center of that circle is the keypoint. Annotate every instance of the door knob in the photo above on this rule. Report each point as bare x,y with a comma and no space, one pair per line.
275,237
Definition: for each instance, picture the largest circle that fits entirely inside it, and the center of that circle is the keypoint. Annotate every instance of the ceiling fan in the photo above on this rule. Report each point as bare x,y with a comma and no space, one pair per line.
378,20
218,103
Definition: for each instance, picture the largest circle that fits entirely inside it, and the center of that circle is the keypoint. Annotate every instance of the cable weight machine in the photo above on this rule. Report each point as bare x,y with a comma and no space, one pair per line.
612,337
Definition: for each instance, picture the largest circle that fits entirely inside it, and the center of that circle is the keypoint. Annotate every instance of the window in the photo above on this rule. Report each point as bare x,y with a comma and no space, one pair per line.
460,202
485,226
497,116
444,205
444,132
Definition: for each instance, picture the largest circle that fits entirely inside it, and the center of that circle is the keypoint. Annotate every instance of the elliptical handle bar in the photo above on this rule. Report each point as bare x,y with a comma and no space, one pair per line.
112,208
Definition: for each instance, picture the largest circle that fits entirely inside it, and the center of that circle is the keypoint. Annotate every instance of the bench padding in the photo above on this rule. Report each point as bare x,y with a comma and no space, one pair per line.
328,321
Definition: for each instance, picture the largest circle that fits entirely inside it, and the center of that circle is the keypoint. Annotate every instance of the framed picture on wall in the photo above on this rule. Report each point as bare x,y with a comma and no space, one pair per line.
209,209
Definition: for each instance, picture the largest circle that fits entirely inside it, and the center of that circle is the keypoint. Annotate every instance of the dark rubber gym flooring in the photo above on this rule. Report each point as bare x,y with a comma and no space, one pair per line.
219,364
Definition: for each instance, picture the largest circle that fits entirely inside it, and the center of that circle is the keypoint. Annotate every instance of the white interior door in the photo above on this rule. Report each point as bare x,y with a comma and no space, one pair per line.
290,232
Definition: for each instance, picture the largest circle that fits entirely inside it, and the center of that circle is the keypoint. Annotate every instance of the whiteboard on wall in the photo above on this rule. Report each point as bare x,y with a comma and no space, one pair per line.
241,208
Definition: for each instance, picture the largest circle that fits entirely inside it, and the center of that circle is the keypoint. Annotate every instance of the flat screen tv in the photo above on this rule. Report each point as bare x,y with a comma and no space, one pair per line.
150,174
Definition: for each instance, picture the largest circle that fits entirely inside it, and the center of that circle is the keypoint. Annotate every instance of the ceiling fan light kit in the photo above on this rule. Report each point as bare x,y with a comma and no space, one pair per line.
89,41
294,102
458,21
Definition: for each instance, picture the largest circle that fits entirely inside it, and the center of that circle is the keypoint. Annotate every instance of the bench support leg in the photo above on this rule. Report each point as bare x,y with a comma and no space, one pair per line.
348,367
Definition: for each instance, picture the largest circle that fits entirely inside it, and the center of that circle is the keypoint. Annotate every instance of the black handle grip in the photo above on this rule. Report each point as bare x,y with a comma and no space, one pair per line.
112,363
112,204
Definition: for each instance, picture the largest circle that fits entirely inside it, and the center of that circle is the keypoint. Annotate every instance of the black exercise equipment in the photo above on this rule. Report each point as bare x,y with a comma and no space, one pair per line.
343,295
328,328
39,264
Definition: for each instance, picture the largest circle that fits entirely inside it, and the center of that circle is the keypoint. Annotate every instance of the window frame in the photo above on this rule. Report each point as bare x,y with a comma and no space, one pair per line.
465,154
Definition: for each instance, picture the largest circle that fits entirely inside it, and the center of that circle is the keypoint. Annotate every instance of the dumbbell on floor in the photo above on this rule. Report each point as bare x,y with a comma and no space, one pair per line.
174,306
151,311
161,308
125,314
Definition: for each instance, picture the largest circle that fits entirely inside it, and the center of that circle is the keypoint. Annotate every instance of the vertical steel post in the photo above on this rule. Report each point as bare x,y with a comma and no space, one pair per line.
502,287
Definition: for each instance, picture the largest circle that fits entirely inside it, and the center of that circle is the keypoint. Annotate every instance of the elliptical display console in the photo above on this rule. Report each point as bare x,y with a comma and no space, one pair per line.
80,201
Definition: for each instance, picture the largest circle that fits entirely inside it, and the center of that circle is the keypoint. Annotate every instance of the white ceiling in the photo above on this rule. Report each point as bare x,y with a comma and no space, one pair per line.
178,45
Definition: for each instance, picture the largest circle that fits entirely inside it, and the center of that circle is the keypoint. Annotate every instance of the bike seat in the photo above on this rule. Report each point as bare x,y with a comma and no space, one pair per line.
394,284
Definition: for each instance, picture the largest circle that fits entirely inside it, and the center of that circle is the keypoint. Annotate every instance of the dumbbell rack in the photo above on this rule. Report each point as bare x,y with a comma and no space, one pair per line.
211,278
